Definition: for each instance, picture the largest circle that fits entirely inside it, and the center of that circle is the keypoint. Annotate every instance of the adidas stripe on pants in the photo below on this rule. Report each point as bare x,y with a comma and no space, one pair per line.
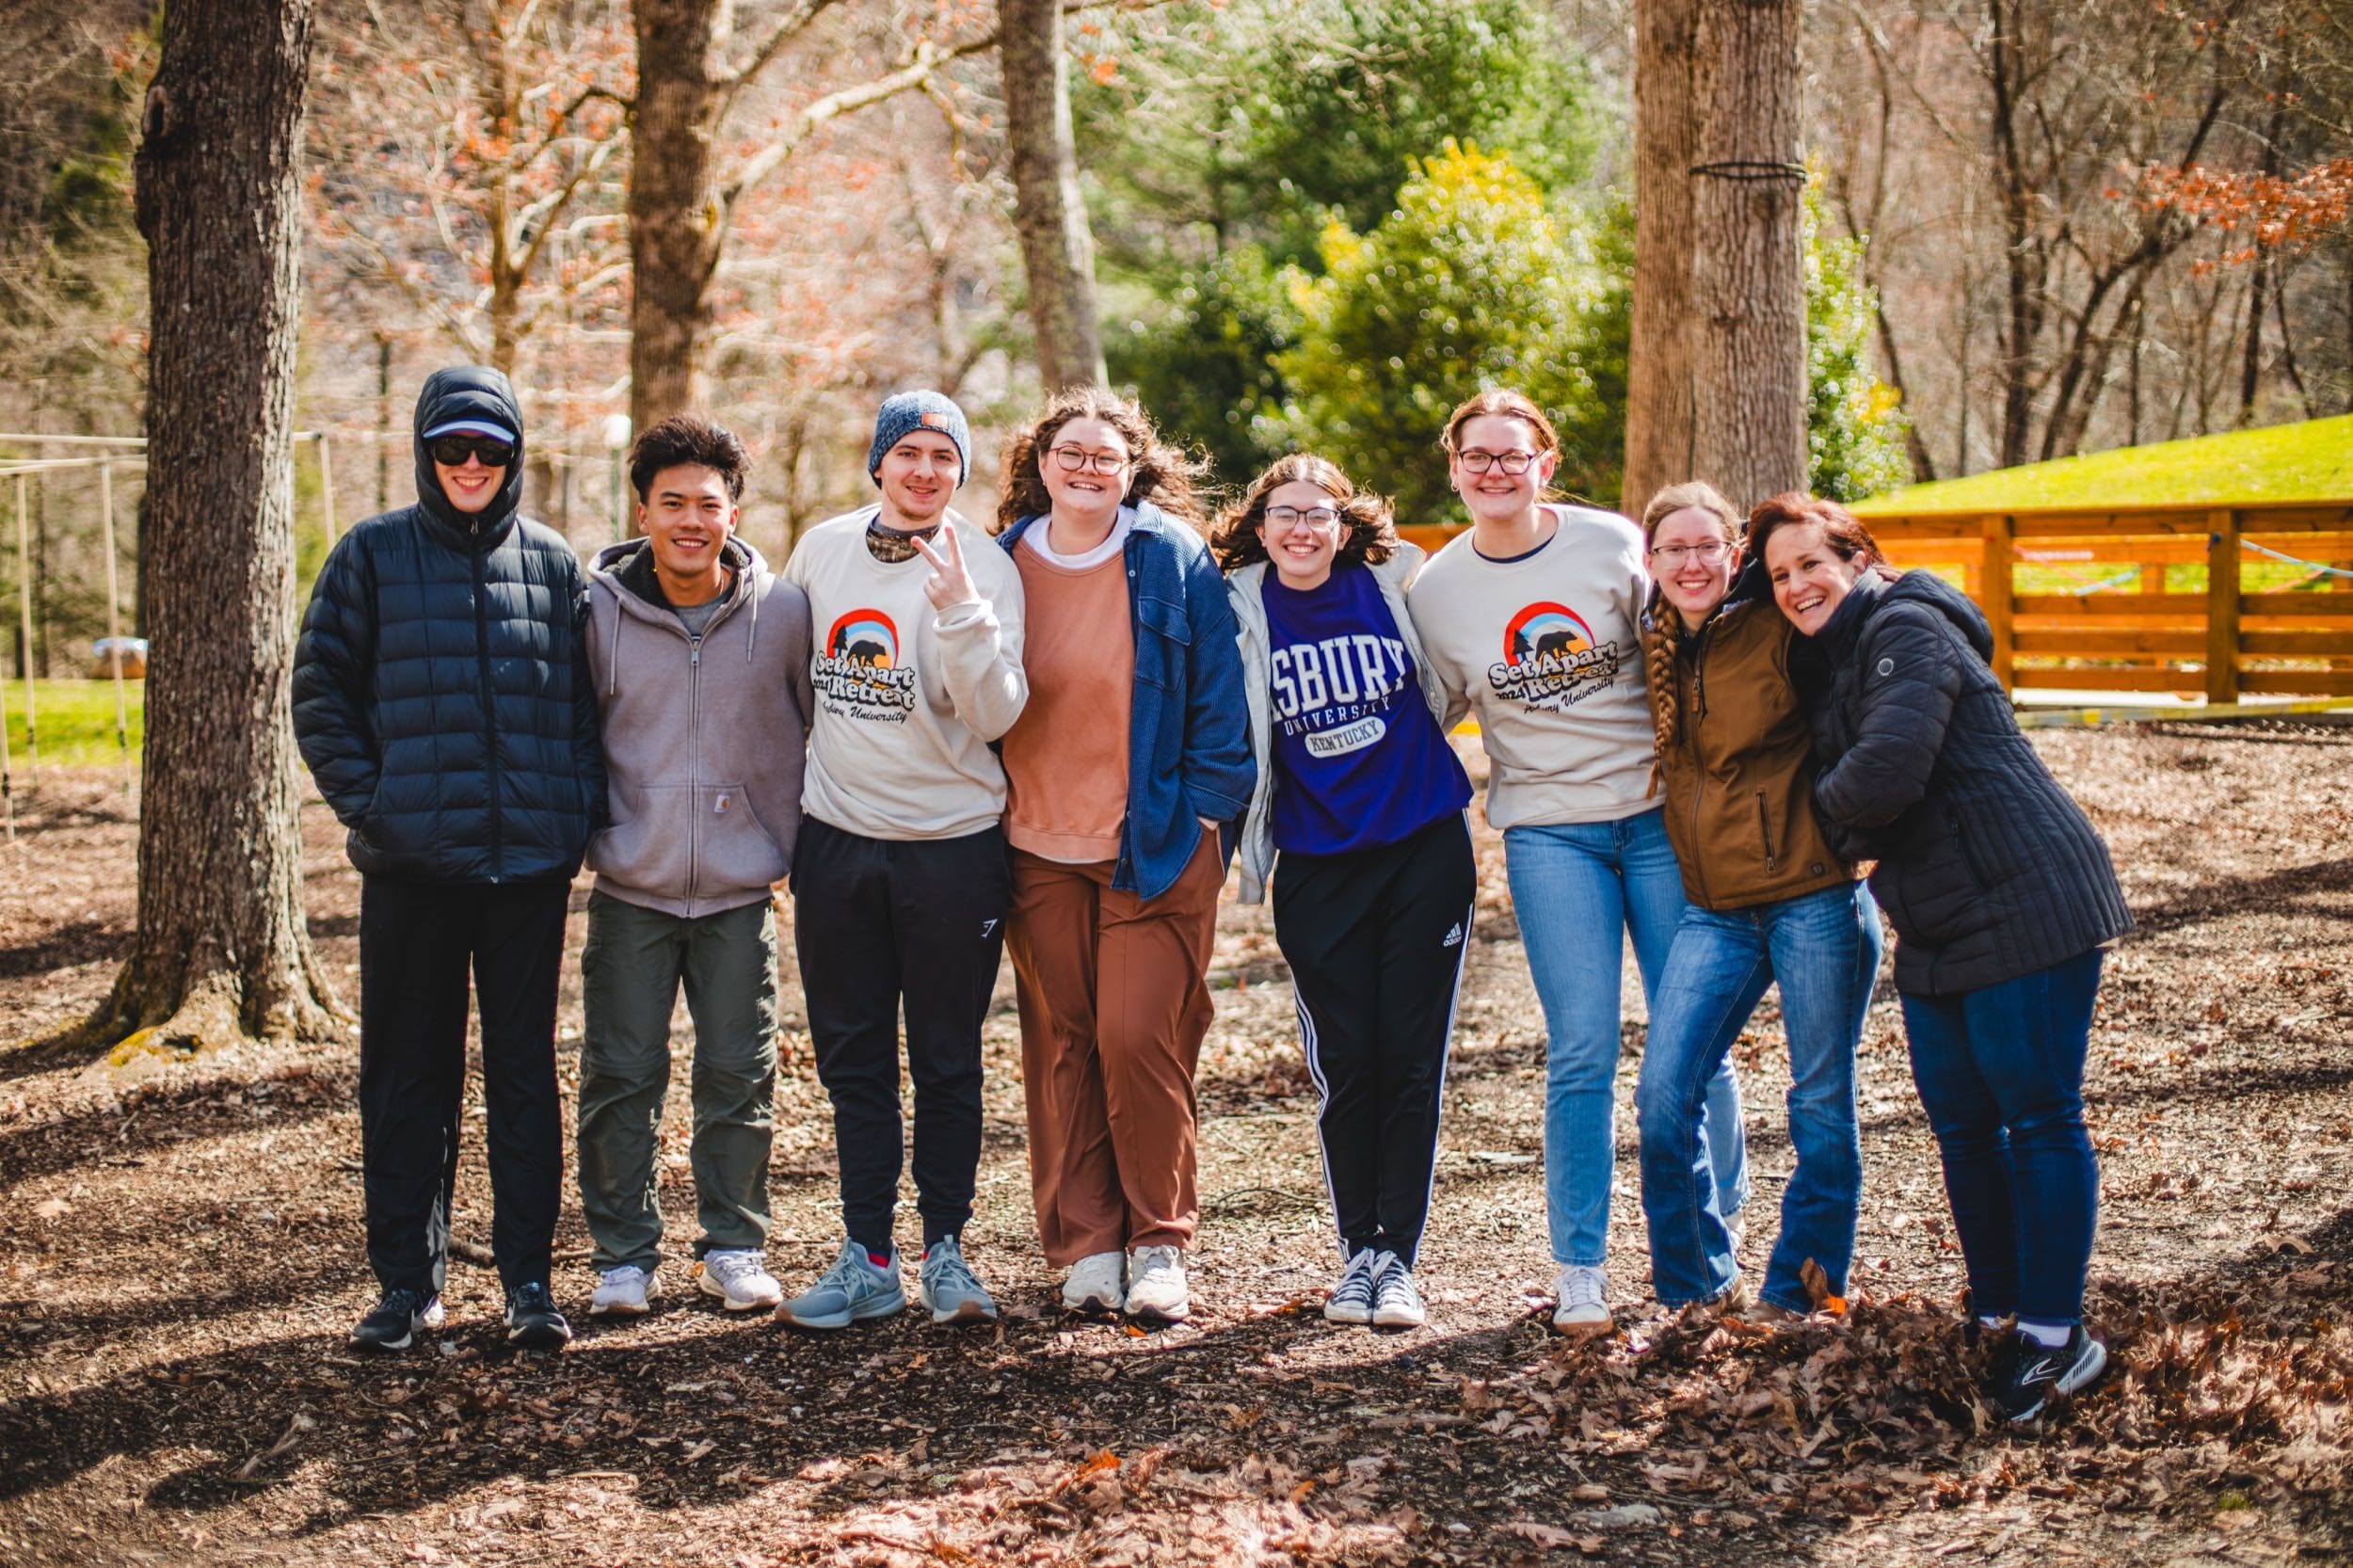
1375,939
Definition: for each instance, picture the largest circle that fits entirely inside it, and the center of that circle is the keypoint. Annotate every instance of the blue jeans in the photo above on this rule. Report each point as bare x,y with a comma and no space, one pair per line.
1577,888
2000,1072
1823,948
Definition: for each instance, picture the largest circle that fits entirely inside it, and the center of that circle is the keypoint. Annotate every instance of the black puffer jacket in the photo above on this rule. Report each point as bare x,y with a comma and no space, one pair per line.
1986,867
442,694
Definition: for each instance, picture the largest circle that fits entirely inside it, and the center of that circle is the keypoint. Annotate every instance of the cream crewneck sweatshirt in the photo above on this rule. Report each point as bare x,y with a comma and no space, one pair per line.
907,697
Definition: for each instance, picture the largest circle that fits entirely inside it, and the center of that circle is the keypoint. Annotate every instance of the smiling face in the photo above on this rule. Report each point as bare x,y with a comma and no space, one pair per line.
1691,583
919,477
1809,577
470,486
687,516
1302,548
1083,495
1497,496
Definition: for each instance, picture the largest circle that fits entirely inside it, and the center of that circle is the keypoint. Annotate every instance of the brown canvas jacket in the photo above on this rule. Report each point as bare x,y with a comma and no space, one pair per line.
1739,776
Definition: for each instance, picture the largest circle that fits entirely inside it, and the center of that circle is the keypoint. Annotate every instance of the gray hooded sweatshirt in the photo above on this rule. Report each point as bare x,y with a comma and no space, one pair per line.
704,737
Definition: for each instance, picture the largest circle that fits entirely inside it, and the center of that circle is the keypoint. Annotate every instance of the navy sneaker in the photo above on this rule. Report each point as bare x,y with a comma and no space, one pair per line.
2041,1373
392,1324
533,1323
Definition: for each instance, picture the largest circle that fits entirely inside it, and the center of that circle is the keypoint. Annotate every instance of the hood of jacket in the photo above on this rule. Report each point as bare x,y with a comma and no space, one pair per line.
468,391
622,588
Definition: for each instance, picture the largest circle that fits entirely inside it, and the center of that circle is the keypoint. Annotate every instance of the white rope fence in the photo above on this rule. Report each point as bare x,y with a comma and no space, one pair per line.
2292,560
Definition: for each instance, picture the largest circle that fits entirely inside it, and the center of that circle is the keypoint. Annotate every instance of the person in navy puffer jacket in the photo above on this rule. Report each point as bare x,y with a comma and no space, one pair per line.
441,699
2002,897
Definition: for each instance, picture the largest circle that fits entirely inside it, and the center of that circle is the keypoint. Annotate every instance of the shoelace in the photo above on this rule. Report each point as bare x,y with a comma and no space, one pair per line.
849,1269
409,1304
1152,1260
947,1266
730,1267
1356,1285
1583,1288
1395,1286
534,1298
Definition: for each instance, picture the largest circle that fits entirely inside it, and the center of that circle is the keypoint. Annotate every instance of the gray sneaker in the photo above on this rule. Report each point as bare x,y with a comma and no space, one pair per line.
851,1291
950,1288
1395,1302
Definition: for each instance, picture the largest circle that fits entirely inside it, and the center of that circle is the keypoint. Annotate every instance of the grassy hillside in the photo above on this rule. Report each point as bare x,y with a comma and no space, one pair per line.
2309,461
77,722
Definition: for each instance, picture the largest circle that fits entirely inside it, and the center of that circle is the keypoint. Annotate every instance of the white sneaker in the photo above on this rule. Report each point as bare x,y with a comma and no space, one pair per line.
740,1279
1736,1227
623,1292
1097,1283
1584,1296
1395,1302
1155,1284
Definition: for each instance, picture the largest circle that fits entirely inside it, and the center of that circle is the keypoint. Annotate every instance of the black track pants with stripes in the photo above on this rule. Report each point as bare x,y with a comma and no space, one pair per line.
1375,939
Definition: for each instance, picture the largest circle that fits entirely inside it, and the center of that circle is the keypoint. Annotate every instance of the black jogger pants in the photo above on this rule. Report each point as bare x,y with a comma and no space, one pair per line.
1375,939
880,925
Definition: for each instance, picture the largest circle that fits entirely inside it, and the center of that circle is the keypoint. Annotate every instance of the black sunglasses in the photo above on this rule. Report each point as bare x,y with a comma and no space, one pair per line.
455,449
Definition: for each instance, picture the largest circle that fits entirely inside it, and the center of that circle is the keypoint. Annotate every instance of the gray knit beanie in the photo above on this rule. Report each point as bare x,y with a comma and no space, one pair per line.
919,411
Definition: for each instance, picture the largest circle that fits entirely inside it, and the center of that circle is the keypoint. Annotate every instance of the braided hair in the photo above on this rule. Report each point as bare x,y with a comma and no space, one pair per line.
1664,618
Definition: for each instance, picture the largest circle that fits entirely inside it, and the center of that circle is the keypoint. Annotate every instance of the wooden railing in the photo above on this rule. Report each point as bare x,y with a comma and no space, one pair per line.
2130,634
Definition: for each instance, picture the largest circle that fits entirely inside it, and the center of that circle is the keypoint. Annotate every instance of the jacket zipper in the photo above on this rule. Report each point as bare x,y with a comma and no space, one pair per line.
490,702
694,764
1765,826
1691,738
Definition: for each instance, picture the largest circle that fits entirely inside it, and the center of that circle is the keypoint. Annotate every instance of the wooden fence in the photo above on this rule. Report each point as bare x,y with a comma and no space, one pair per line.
2126,632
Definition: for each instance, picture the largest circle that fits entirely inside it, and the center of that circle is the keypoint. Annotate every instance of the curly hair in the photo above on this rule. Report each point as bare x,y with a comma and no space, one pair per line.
1842,531
1665,621
1162,474
1371,524
688,439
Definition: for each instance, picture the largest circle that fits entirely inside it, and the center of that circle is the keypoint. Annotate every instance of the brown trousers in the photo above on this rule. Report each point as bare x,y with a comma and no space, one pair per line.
1115,1000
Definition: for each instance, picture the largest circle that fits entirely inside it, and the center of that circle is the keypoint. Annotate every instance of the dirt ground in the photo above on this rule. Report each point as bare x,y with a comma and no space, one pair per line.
179,1261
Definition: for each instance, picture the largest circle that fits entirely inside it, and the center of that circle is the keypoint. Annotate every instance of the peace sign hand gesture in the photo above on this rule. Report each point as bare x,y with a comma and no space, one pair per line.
951,581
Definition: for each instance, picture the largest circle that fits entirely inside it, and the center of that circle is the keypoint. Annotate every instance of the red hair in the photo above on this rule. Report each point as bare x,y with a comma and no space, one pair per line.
1842,531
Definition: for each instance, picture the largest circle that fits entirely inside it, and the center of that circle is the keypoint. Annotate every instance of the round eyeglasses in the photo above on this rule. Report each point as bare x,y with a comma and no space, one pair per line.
1073,458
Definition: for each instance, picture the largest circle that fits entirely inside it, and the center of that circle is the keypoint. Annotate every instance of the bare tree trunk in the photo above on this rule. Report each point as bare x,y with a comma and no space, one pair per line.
221,950
1057,249
1659,408
677,213
1748,266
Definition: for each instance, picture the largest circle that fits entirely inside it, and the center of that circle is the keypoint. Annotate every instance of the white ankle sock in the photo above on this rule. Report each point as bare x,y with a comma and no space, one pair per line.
2049,1336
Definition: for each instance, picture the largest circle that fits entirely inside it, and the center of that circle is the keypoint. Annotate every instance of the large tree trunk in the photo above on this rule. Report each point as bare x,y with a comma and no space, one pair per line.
1659,408
1057,249
1747,268
221,949
677,213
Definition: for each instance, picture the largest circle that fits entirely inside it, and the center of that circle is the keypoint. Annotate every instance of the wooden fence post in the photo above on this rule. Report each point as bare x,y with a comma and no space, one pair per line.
2222,563
2000,591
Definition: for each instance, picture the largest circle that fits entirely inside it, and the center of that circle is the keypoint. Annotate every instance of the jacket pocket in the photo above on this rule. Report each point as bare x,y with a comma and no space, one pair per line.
734,848
1162,636
648,848
1765,831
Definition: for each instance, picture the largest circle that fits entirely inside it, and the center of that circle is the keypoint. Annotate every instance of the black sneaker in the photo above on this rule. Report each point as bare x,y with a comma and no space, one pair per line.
2043,1372
392,1324
532,1320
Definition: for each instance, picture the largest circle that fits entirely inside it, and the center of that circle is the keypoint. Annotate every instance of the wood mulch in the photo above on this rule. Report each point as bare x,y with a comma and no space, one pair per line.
179,1261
